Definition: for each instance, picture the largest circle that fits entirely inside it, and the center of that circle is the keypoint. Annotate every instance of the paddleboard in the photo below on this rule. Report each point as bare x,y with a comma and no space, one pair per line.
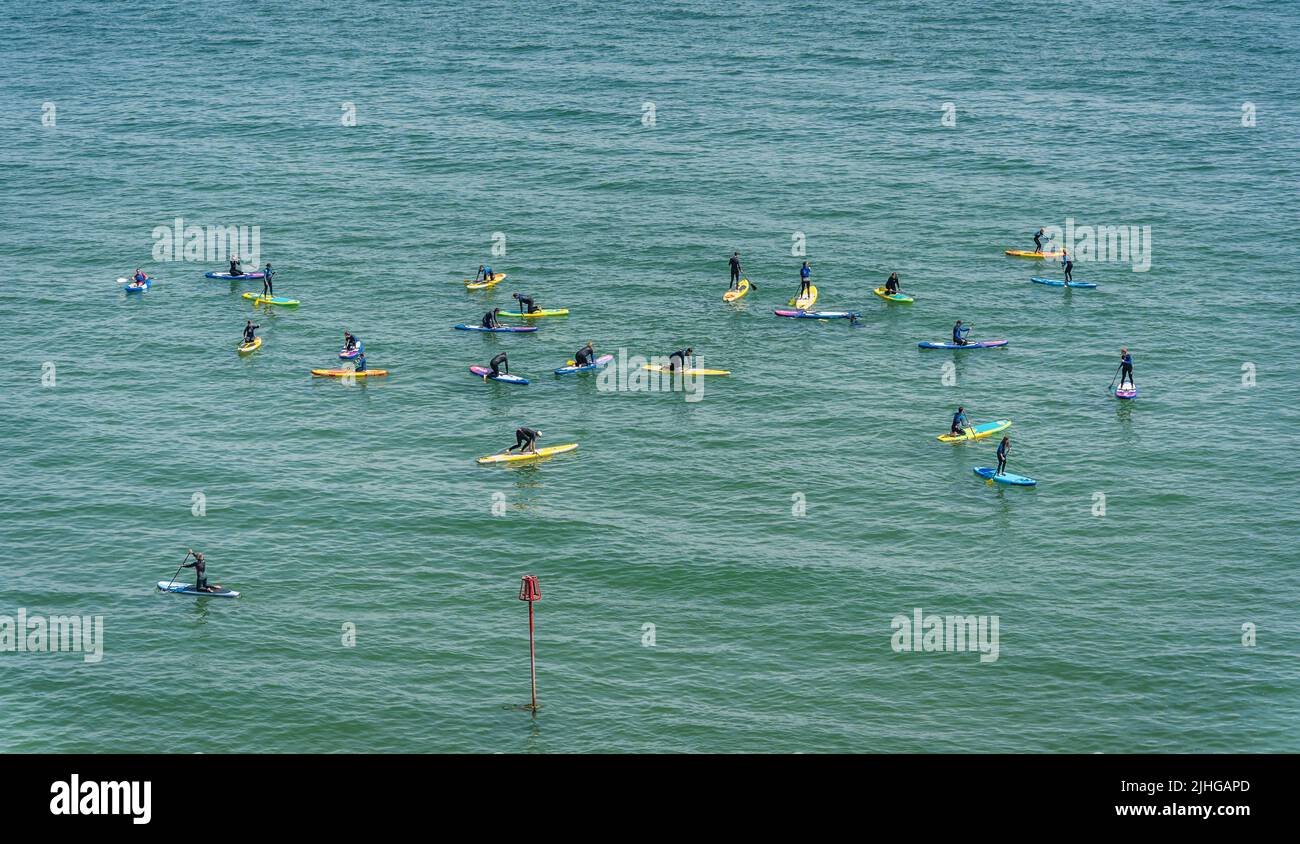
229,277
654,367
341,373
816,314
541,313
139,286
504,377
805,302
1126,391
988,429
742,287
1055,283
259,299
599,362
970,344
177,588
349,354
1005,478
892,297
247,348
515,457
497,278
1020,253
515,329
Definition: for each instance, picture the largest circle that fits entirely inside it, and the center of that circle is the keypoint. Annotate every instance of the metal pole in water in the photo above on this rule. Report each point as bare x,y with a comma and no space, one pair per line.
529,591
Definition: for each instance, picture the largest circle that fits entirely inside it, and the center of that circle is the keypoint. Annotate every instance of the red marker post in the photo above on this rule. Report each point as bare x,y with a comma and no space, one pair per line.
529,591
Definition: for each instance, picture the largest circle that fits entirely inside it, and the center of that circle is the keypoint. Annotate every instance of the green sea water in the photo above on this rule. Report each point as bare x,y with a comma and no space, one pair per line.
717,575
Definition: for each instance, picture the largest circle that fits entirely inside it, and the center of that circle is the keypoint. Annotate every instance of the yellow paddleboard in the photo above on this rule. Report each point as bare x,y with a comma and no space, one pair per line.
979,432
245,348
515,457
541,313
803,303
654,367
741,290
1020,253
497,278
893,297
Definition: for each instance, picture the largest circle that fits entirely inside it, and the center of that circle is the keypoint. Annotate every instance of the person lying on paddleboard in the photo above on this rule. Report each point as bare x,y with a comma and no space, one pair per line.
525,441
200,573
682,356
234,265
959,423
490,319
734,264
1068,263
497,363
584,356
359,363
139,277
1038,240
805,280
268,289
1125,368
349,341
250,331
891,284
1003,448
526,303
959,333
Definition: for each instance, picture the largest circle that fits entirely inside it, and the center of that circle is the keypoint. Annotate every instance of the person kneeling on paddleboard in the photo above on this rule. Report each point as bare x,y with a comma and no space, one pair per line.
484,273
525,441
683,357
1125,369
805,280
234,265
250,331
891,284
959,423
268,289
490,319
1003,448
526,303
959,334
584,356
200,573
497,362
349,341
359,363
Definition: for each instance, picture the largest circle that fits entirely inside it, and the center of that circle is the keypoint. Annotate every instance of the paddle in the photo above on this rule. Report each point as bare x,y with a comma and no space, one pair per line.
1116,375
178,568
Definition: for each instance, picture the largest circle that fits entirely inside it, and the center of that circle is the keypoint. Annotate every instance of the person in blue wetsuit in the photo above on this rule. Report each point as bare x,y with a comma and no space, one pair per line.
1068,263
959,423
526,303
484,273
359,363
680,359
1003,448
498,362
268,289
250,332
490,319
1125,369
585,355
525,441
734,264
959,333
805,280
891,283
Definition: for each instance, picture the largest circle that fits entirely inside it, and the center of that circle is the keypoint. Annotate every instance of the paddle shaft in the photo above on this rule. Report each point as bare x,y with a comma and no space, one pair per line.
178,568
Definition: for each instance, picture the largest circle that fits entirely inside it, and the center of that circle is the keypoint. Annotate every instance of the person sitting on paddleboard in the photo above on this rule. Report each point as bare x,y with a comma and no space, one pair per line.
139,277
526,303
250,332
525,441
200,572
584,356
1003,448
1125,369
891,284
959,423
359,363
497,362
805,280
734,264
349,341
268,289
959,334
1068,263
683,357
234,265
1038,240
490,319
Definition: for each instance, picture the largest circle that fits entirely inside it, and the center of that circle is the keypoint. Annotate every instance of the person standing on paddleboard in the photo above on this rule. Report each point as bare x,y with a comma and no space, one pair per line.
1003,448
805,281
959,334
526,303
683,356
497,362
525,441
1038,240
891,284
1125,369
734,264
268,289
250,331
584,356
1068,263
490,319
959,423
200,572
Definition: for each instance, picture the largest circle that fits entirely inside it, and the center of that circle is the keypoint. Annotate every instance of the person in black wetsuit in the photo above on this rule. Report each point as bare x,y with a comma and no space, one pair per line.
584,356
734,264
1068,263
891,284
200,573
349,341
250,332
1125,369
490,319
526,303
1038,240
525,441
1003,448
680,359
234,265
498,362
268,289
